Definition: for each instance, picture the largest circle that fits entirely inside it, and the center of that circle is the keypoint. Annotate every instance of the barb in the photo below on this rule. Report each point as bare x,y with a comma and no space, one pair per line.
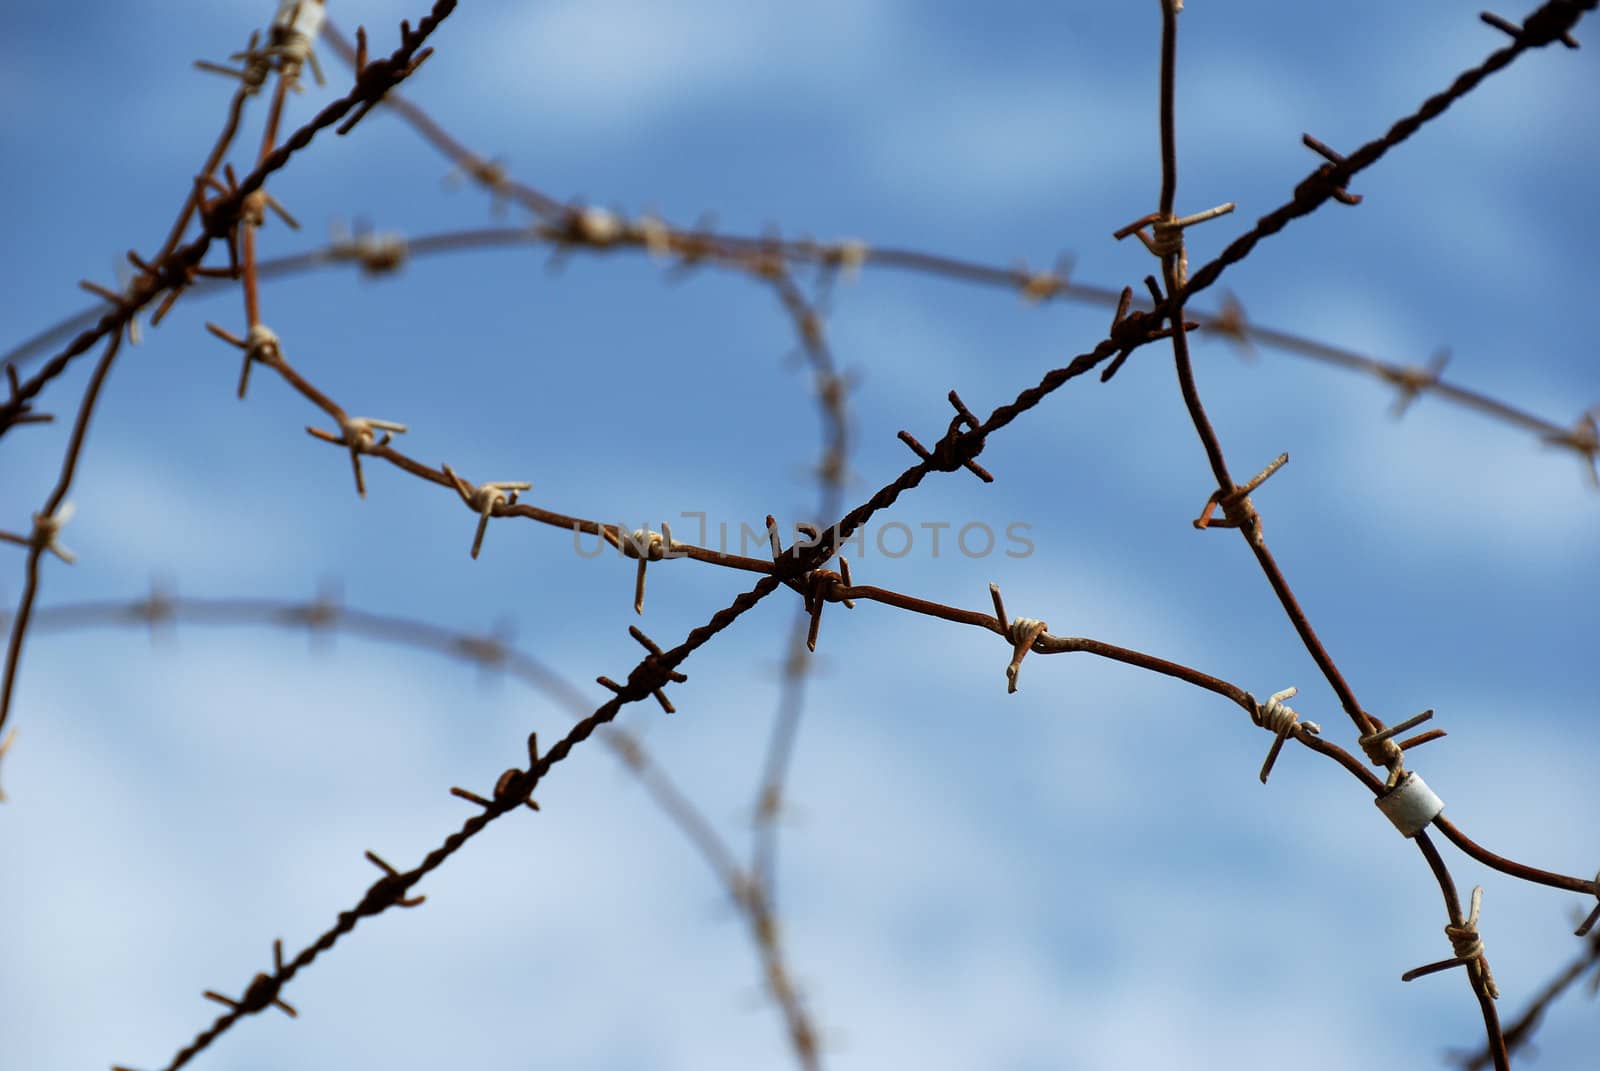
1583,439
486,500
47,524
1551,22
380,254
1237,509
262,992
1520,1033
414,634
1278,718
358,435
1467,947
490,174
660,666
647,546
1406,799
818,587
171,270
1403,796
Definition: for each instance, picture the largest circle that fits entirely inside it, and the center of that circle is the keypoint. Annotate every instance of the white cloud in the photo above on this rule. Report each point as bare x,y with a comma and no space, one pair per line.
999,140
620,63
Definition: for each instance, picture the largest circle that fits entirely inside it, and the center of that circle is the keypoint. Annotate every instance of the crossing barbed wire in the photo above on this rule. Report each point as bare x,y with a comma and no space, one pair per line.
234,210
161,609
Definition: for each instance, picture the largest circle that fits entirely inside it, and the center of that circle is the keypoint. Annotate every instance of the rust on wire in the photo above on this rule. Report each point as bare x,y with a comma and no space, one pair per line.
359,436
261,993
961,443
486,500
1237,509
238,210
1280,719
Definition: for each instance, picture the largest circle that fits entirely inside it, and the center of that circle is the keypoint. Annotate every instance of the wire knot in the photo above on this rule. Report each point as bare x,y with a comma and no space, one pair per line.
823,586
1412,380
1166,239
253,210
1022,632
645,545
47,529
595,227
1231,321
1467,947
1042,286
490,174
294,33
1280,719
20,408
377,254
1237,509
260,343
389,890
957,448
829,586
262,992
648,677
1464,940
257,65
1551,23
45,532
358,435
1329,179
484,499
654,234
1276,716
850,254
359,432
1583,439
514,787
1382,749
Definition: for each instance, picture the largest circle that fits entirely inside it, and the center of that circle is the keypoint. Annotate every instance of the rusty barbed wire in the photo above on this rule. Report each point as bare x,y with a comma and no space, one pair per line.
1552,21
799,566
962,442
659,667
1406,800
172,271
383,254
45,534
832,389
1519,1034
569,225
322,615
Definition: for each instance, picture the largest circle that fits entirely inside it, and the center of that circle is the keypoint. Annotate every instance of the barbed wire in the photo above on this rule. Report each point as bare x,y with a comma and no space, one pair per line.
236,212
239,205
796,566
566,226
169,274
1519,1035
327,615
385,254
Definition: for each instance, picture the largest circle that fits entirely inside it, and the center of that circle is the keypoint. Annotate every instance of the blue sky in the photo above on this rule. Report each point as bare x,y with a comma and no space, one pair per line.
1084,873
